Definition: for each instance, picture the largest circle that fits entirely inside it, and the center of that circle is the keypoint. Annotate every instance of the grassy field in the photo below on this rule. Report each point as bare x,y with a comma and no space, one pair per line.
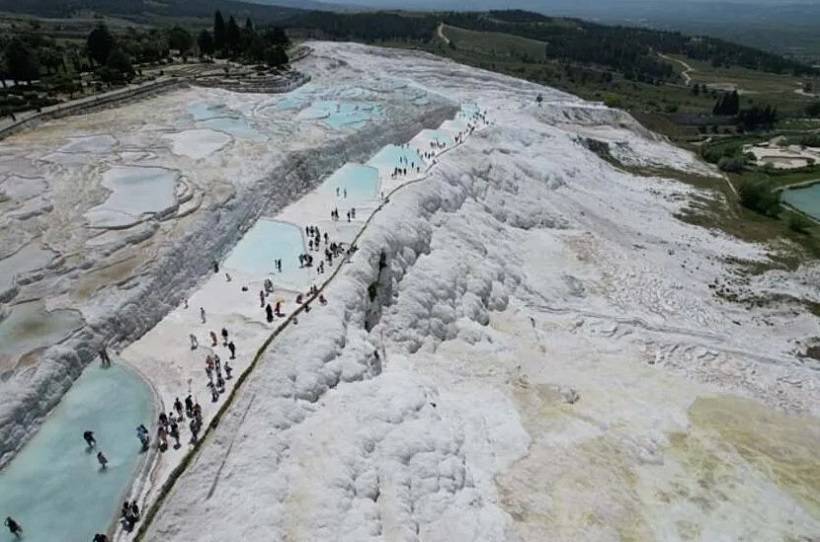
747,81
495,44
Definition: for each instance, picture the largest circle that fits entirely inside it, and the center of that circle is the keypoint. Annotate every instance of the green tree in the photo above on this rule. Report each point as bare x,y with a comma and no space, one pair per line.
757,195
813,109
232,36
118,68
21,61
799,223
727,104
719,105
50,58
205,43
64,83
276,36
100,44
255,48
733,105
180,39
219,31
275,56
731,164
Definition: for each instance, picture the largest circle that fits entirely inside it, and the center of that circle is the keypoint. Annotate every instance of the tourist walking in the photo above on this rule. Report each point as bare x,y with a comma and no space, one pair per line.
89,439
14,527
202,314
142,435
175,434
194,426
105,361
189,406
102,460
232,348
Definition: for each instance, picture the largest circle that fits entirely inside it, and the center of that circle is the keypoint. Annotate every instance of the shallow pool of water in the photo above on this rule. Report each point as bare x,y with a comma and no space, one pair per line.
235,126
338,115
265,242
27,259
439,136
102,143
290,102
361,183
135,191
393,156
54,487
197,143
806,199
30,326
204,111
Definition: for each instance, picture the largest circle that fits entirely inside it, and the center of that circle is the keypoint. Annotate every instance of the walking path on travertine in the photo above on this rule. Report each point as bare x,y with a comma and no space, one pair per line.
164,356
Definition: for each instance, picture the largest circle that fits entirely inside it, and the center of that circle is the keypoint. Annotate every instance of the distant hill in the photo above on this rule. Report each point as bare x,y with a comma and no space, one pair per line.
632,50
783,26
144,11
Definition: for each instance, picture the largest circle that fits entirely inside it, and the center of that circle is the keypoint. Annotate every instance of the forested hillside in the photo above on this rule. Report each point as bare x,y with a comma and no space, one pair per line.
150,10
629,50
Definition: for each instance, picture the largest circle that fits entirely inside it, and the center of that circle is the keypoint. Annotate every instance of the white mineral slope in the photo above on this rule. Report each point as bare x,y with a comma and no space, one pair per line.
123,280
542,360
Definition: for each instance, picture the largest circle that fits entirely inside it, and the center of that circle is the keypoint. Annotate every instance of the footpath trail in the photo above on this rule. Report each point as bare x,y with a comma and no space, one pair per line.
440,32
687,69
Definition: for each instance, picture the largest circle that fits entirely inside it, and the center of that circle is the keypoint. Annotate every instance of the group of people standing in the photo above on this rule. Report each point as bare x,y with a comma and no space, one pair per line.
404,164
129,516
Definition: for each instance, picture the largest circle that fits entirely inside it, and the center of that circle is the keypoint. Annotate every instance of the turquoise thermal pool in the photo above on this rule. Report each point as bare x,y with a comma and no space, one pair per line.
235,126
204,111
135,191
360,182
265,242
54,486
393,156
806,199
339,115
441,137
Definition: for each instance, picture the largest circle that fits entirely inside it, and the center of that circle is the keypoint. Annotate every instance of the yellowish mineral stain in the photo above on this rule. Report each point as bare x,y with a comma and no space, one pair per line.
785,448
